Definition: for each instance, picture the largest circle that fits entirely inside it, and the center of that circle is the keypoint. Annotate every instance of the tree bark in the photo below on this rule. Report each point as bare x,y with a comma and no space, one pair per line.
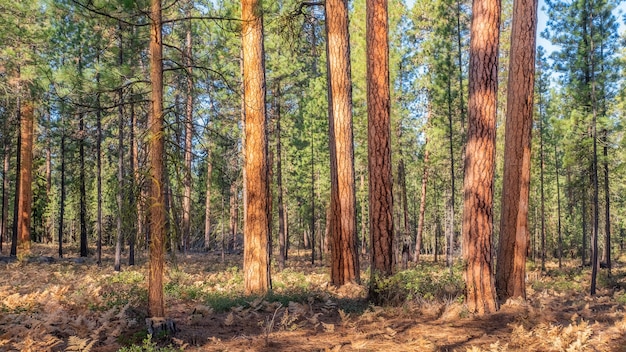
558,204
542,197
345,259
479,160
120,164
18,163
257,217
83,191
513,243
98,171
422,211
282,238
5,183
607,202
188,134
62,198
207,202
156,200
132,236
26,177
379,142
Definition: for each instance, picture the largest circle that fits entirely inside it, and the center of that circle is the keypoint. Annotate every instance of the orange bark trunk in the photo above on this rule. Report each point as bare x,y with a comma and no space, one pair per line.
257,219
26,178
480,157
513,245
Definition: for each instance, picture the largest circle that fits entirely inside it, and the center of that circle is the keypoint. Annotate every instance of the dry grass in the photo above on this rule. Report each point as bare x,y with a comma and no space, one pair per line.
72,306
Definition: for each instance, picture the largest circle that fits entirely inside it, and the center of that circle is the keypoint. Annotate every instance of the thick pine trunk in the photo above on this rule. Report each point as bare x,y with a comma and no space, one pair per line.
156,199
256,212
379,142
513,244
345,259
479,161
26,177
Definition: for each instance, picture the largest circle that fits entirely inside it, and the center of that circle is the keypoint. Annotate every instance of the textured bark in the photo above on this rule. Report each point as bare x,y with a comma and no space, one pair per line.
188,134
450,211
16,199
120,163
98,172
83,190
422,211
256,212
542,197
48,219
207,202
5,183
479,160
26,177
379,140
558,203
156,199
282,235
234,213
62,196
607,207
513,243
132,236
345,259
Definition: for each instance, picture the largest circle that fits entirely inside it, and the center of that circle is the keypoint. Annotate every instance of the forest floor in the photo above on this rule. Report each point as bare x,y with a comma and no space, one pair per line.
71,304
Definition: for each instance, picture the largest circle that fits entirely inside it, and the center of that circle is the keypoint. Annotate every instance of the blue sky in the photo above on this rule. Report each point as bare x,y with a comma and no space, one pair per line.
542,19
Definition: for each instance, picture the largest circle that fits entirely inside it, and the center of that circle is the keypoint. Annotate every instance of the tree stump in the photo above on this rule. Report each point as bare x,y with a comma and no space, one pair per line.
160,326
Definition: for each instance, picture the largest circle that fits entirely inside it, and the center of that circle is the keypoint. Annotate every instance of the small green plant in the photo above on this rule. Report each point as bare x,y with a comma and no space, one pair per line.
149,346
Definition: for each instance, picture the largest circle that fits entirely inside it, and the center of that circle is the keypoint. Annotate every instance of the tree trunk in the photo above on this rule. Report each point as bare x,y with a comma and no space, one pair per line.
5,183
98,170
188,135
513,243
48,225
345,259
607,200
234,214
155,159
379,143
479,160
558,204
132,236
207,202
120,163
26,177
542,199
584,228
282,238
18,164
420,223
594,172
450,201
62,198
257,217
83,191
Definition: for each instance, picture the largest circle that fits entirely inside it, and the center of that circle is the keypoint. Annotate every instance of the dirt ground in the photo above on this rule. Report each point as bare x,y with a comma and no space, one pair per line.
51,304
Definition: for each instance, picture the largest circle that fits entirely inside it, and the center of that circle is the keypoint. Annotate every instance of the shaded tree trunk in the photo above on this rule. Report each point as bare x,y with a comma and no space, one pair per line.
98,171
379,144
282,238
18,163
420,222
132,236
188,134
542,196
156,199
5,183
513,243
558,204
120,164
257,198
479,159
345,259
62,197
607,202
207,203
83,191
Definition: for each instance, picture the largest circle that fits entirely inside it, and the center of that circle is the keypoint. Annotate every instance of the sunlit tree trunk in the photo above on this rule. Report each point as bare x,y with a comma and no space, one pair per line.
479,161
379,142
345,259
513,245
26,177
156,199
256,212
